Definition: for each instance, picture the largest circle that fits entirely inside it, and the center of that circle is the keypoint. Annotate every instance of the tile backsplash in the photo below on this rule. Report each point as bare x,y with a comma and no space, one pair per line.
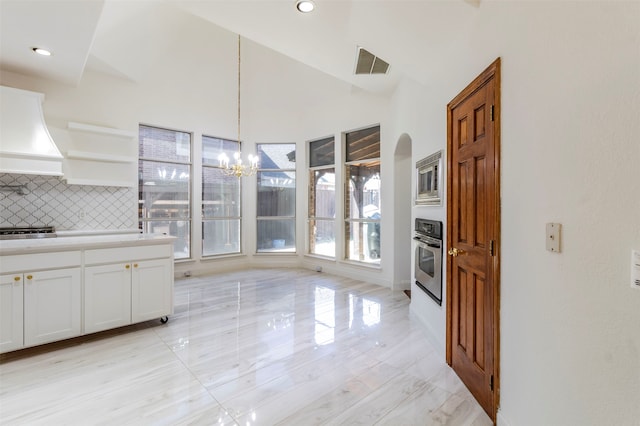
49,201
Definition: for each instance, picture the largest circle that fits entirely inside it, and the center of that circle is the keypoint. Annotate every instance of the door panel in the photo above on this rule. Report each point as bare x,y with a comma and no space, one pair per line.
52,305
107,297
473,228
11,303
151,289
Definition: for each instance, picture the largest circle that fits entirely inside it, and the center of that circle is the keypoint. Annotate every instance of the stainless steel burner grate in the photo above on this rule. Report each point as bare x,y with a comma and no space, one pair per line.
15,233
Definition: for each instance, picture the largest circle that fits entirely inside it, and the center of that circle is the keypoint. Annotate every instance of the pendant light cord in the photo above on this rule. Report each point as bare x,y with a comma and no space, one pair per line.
238,92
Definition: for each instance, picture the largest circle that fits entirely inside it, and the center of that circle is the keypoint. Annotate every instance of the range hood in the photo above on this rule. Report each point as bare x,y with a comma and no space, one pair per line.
26,147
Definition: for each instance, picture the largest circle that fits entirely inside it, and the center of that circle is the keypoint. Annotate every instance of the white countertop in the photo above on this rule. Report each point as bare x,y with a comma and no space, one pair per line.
67,243
85,232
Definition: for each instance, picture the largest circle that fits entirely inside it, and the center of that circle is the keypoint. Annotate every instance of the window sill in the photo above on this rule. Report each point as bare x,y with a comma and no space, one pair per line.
362,265
275,253
320,257
222,257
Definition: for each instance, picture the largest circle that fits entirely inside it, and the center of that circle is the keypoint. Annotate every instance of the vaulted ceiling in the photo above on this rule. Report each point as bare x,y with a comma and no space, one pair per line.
410,35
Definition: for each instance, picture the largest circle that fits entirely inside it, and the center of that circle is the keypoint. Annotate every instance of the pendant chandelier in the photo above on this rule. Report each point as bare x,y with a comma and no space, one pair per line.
238,169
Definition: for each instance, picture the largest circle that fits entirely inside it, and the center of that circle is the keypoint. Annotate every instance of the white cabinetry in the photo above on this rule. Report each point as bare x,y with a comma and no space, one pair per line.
11,304
127,285
101,284
107,297
52,306
42,303
151,289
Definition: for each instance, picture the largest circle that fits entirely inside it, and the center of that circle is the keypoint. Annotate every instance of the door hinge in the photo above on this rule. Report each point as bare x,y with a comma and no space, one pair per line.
491,382
491,113
492,251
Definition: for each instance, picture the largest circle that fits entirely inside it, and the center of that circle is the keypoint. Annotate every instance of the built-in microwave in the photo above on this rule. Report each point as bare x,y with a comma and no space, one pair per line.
429,180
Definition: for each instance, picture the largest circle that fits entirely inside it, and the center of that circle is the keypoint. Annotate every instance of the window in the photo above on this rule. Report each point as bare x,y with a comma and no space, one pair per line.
276,209
362,199
164,172
221,213
322,197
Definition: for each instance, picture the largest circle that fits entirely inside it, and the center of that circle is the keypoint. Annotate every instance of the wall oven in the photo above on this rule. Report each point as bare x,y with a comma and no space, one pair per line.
428,257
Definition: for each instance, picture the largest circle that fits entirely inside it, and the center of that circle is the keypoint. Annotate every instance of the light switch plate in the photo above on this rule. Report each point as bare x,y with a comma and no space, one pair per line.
553,237
635,269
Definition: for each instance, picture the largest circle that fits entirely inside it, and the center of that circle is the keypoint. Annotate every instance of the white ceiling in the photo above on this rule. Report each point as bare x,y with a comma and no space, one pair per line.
88,34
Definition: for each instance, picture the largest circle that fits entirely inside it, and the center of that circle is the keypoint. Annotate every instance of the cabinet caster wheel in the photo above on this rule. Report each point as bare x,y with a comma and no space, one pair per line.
164,319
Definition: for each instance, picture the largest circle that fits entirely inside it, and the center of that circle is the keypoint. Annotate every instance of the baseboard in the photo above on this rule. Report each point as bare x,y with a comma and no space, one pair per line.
501,420
402,285
362,273
438,346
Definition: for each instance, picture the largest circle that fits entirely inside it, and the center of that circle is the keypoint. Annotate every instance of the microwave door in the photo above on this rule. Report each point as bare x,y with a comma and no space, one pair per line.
425,182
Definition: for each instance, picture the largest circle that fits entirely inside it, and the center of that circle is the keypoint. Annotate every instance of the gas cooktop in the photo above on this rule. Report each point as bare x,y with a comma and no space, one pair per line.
15,233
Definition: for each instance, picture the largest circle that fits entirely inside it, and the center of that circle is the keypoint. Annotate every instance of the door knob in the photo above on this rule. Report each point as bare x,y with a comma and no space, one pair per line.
455,252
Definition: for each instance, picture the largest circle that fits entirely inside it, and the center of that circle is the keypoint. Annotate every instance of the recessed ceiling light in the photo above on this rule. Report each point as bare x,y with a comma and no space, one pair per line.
41,51
305,6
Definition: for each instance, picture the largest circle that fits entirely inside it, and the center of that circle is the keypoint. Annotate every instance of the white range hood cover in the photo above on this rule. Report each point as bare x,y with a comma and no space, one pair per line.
26,147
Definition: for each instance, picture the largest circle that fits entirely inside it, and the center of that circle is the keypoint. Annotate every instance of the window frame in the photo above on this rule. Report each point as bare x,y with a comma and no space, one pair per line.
348,221
204,218
263,219
142,221
312,218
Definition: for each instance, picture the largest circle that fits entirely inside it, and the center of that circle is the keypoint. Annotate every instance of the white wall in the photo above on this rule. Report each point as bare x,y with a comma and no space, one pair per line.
403,176
418,111
570,342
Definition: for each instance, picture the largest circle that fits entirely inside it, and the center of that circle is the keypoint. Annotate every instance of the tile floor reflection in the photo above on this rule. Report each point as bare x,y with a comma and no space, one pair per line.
257,347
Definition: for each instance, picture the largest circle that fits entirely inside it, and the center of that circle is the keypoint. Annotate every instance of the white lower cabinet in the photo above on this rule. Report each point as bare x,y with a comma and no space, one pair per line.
39,307
52,296
124,293
11,306
151,289
107,297
52,305
127,285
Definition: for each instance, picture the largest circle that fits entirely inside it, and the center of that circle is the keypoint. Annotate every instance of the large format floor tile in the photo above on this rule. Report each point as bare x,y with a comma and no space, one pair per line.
256,347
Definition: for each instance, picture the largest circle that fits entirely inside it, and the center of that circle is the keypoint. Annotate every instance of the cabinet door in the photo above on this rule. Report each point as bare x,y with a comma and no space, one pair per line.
52,305
11,288
151,289
107,297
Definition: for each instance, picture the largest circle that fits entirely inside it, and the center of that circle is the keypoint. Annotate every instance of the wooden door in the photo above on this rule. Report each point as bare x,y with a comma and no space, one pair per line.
473,224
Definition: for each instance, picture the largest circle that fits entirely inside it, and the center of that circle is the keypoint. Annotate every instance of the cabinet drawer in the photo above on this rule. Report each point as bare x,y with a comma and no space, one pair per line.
127,254
39,261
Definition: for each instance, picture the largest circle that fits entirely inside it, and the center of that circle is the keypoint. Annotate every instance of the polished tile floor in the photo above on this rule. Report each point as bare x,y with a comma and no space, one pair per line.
256,347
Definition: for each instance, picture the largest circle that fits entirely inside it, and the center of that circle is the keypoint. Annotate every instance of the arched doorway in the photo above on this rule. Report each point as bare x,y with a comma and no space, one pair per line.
402,214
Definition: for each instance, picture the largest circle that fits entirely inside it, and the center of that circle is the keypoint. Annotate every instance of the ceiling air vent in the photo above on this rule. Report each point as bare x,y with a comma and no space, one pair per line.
368,63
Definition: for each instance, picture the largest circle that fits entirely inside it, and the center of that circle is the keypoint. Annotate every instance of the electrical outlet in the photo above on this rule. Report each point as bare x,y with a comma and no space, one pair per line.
81,214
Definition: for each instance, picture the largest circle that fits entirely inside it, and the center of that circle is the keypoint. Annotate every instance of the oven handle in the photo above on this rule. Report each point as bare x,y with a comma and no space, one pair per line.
421,241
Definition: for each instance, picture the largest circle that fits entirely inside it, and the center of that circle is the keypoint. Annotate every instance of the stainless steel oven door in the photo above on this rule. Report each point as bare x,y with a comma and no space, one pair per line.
428,266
